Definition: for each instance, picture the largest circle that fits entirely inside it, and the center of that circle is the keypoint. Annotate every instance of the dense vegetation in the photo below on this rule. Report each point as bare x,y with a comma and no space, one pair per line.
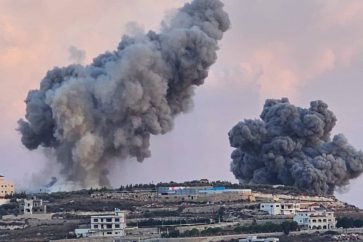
285,227
346,222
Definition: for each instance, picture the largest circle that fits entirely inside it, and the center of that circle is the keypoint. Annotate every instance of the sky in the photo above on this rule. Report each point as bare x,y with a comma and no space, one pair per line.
303,50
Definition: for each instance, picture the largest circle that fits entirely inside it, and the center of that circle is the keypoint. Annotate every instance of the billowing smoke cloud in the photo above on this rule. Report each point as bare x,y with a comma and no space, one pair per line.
292,146
110,108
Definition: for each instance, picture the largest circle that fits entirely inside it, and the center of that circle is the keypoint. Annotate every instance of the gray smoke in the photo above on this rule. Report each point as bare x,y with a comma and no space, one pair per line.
76,55
110,108
292,146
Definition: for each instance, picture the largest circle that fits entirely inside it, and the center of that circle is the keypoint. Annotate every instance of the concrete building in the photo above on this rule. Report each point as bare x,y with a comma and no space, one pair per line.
289,208
34,206
109,225
6,187
315,218
271,208
277,208
203,194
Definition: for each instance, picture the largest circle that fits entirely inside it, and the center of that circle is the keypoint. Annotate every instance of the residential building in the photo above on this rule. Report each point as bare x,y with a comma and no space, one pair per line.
277,208
34,206
315,218
6,187
289,208
271,208
109,225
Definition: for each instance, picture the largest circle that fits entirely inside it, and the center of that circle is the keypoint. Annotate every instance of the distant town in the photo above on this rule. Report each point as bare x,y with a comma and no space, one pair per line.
199,210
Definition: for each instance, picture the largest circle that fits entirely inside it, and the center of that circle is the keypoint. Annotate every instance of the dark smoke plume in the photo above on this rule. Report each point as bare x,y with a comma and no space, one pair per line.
292,146
52,182
110,108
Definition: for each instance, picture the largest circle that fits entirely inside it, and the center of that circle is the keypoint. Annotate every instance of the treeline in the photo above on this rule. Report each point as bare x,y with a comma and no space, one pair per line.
268,227
285,227
229,185
153,222
194,233
347,222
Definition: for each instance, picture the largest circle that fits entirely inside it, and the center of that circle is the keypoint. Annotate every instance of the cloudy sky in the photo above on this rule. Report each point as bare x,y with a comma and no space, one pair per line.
303,50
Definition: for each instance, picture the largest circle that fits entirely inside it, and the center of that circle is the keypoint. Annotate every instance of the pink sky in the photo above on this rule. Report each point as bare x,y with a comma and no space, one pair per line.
304,50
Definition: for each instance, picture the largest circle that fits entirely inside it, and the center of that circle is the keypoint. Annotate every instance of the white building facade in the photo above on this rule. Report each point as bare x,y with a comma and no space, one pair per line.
34,206
271,208
315,219
276,208
112,225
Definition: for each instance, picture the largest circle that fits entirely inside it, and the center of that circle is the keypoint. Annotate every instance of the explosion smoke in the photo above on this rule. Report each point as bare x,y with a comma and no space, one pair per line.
292,146
52,182
110,108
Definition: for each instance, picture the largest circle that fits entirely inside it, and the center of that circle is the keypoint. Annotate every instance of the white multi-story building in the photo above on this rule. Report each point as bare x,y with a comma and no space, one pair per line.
34,206
108,225
315,218
275,208
271,208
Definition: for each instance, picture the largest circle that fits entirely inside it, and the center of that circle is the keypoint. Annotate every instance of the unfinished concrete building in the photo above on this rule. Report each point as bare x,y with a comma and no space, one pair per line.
34,206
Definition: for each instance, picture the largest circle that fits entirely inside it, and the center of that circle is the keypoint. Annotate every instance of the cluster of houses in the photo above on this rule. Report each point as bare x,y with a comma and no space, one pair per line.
309,217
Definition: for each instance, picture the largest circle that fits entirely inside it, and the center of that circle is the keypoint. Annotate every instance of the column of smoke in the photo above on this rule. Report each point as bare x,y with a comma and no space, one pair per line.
110,108
292,146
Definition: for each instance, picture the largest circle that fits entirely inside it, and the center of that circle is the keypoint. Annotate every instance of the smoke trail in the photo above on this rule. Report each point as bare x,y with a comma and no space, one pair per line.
292,146
52,182
110,108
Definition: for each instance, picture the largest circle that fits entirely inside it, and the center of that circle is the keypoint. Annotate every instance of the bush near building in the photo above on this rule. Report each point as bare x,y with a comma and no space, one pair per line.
285,227
155,222
346,222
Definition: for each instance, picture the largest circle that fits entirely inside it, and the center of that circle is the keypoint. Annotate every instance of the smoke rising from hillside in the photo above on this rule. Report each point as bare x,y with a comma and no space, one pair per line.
110,108
292,146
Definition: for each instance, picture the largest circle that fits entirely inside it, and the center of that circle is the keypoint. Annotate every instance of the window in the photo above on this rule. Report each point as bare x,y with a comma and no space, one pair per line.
277,206
117,220
95,220
117,226
108,220
109,226
262,206
109,232
95,226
